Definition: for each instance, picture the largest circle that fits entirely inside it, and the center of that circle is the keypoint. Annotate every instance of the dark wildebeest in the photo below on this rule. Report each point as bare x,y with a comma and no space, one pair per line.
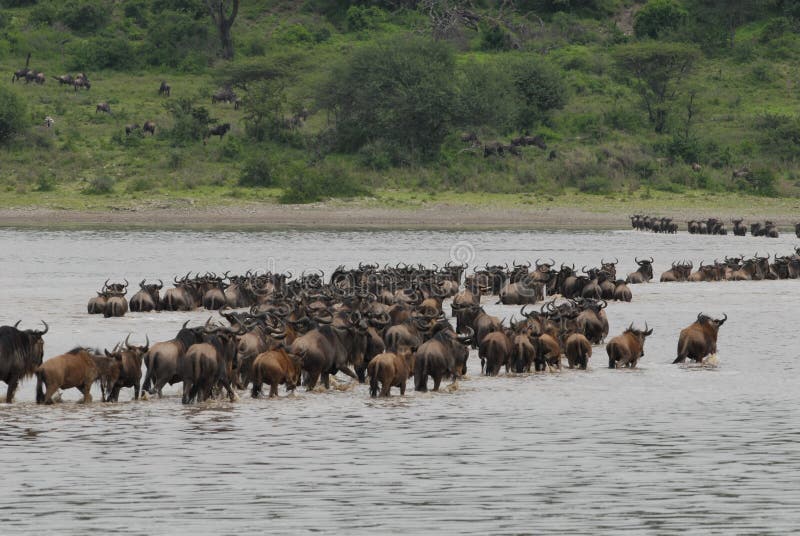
621,291
76,368
275,367
797,229
208,364
164,357
147,299
699,339
21,353
103,107
643,274
219,130
625,350
493,148
64,79
81,82
495,350
164,89
445,354
116,305
592,321
224,95
20,74
130,129
391,370
149,126
97,304
739,229
129,368
548,352
523,353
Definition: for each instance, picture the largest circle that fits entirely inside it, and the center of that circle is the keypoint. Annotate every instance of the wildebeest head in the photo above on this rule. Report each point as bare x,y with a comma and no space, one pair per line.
23,346
640,334
715,323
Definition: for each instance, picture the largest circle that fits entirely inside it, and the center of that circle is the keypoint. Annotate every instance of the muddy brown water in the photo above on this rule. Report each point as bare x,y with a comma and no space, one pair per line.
662,449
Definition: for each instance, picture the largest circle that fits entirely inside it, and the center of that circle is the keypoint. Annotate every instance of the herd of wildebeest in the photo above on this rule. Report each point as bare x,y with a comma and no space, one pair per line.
709,226
384,325
81,81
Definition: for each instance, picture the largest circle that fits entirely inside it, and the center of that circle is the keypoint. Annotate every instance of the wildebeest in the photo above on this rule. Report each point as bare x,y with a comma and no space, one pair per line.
797,229
390,370
164,89
129,368
81,82
621,291
76,368
149,126
64,79
739,229
49,121
224,95
699,339
219,130
146,299
275,367
103,107
523,353
493,148
445,354
496,350
578,350
625,350
130,129
678,273
329,348
21,353
163,358
208,364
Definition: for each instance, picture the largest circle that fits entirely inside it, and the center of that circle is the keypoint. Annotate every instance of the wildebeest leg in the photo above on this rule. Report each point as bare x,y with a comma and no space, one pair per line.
256,389
403,388
349,372
361,372
87,395
113,396
311,380
231,394
386,387
273,388
187,391
437,380
679,359
12,386
51,390
326,380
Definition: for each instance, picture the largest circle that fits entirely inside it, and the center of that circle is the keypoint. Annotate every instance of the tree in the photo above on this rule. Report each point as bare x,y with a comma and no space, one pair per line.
728,15
540,87
657,70
223,22
264,105
12,115
399,91
658,17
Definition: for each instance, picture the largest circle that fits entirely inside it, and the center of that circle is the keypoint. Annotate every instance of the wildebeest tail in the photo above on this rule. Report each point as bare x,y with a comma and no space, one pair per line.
374,370
150,361
40,380
420,375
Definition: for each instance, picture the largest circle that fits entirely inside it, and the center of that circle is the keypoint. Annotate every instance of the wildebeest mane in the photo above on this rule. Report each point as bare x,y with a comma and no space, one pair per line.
16,351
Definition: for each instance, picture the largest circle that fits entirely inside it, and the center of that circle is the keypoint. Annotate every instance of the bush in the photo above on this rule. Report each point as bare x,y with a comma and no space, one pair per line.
540,86
659,17
45,183
294,34
100,186
360,18
179,40
399,91
102,53
322,182
190,122
13,115
486,97
84,17
495,37
257,172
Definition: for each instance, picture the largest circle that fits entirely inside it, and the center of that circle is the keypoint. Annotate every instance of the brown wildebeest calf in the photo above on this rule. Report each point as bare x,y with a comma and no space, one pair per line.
275,367
391,370
129,369
625,350
699,339
77,368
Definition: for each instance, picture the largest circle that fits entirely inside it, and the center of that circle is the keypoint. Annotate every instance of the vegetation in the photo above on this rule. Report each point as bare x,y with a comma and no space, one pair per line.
337,98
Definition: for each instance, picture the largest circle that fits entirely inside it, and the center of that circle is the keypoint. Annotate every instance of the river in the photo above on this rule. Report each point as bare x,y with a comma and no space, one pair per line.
662,449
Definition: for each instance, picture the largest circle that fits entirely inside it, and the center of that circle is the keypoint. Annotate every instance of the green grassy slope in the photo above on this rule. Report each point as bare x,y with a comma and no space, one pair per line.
602,140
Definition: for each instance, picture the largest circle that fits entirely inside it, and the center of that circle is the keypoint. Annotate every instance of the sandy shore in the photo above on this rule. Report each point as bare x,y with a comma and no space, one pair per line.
322,216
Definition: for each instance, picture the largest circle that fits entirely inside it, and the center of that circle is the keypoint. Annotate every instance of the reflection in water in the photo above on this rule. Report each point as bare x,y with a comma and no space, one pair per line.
661,449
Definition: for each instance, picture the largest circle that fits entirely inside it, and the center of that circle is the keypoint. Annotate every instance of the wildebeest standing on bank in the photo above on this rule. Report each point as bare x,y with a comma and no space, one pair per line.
219,130
625,350
21,353
699,339
76,368
164,89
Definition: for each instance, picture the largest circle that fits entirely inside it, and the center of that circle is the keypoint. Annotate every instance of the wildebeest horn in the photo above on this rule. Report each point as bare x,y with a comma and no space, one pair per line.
724,319
105,285
146,342
604,304
17,324
141,285
47,328
126,283
160,284
466,336
185,324
127,345
647,332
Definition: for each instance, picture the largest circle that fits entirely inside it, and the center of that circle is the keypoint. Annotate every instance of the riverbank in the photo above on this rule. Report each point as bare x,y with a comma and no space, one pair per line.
390,209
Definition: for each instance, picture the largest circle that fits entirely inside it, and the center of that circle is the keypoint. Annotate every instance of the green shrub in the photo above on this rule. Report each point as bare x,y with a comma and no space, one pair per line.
763,72
294,34
540,86
659,17
179,40
486,97
360,18
140,184
45,183
495,37
230,149
257,172
100,186
13,115
102,53
595,185
84,16
190,122
321,182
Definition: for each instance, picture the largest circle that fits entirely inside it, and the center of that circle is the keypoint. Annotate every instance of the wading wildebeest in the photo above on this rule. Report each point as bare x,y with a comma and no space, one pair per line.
208,364
21,353
643,274
275,367
625,350
495,350
699,339
147,299
163,359
445,354
76,368
578,350
390,370
129,368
